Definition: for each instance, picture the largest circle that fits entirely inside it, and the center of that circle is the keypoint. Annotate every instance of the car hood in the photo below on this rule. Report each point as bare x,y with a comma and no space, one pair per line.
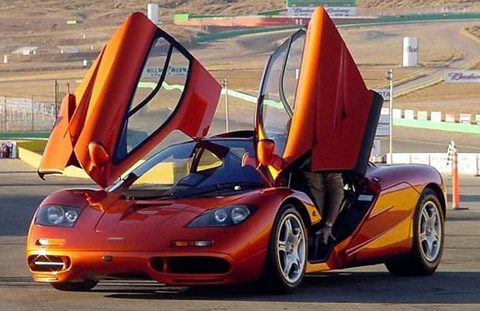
109,222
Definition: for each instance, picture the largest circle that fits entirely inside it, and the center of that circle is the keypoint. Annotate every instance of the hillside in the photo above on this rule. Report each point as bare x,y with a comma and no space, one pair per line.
43,23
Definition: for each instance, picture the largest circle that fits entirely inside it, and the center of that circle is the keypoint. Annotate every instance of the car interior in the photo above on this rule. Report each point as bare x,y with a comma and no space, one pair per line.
355,205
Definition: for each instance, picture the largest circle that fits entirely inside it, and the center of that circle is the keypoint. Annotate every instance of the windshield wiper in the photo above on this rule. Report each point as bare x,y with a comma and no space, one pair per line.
147,194
235,186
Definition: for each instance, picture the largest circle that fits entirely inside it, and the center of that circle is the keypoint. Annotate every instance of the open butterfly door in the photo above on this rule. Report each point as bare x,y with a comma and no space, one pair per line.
314,103
143,86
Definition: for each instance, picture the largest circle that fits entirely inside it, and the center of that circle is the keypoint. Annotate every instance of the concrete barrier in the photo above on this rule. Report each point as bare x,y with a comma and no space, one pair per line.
468,163
30,152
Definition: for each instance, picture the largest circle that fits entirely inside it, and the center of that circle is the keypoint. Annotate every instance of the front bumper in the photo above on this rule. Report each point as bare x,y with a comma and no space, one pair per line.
98,265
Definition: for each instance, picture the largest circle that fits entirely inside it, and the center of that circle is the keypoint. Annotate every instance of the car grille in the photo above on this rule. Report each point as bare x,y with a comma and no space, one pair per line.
190,265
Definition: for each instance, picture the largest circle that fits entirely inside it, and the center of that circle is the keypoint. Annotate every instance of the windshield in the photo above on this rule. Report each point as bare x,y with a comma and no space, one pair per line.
194,168
279,90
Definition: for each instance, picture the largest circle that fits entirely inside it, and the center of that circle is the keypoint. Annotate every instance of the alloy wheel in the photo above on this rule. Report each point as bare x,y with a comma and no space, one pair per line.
290,242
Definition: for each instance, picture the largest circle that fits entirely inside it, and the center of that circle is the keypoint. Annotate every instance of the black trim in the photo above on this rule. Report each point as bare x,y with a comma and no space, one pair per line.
281,90
292,39
369,136
159,82
260,99
116,160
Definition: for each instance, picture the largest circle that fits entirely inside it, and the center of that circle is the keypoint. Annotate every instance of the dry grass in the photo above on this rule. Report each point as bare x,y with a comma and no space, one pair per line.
474,30
43,23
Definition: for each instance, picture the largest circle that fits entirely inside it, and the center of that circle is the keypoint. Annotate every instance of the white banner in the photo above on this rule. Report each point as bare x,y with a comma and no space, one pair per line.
465,118
436,116
384,92
422,115
397,113
307,11
468,163
409,114
341,11
152,72
462,76
450,117
383,127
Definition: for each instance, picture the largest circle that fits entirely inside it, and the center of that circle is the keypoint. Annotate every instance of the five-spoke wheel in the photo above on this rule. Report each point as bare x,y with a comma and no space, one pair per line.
291,247
430,228
287,253
427,247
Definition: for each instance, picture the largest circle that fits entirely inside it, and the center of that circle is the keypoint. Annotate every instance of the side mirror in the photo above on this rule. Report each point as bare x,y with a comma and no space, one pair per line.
265,151
98,154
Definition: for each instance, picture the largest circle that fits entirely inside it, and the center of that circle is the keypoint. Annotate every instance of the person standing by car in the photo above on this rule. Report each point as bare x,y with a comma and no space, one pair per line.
320,184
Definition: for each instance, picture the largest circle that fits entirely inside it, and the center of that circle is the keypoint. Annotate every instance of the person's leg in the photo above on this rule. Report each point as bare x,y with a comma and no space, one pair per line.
316,187
334,186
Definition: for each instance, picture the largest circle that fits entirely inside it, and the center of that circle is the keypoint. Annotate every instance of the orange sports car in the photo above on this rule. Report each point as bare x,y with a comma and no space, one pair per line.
230,208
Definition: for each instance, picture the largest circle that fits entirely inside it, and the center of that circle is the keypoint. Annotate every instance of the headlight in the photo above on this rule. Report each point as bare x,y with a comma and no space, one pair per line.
223,216
57,216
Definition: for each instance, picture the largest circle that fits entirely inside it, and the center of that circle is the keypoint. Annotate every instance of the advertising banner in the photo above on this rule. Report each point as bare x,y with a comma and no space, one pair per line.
384,92
422,115
436,116
172,71
450,117
409,114
462,76
307,11
465,118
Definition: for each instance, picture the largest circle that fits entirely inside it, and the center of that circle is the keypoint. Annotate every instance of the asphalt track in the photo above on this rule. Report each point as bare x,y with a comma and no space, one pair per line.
455,286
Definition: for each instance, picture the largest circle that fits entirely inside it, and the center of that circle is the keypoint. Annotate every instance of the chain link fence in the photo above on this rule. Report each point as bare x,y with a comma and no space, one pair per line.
26,115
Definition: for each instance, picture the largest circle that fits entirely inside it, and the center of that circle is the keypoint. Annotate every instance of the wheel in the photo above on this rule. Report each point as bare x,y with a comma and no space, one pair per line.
84,286
428,239
287,253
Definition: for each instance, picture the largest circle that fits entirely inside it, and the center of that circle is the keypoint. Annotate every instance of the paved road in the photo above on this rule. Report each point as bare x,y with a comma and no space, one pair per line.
454,286
449,32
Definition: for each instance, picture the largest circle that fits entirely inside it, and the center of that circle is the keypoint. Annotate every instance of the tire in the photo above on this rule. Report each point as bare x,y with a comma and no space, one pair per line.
286,261
84,286
428,239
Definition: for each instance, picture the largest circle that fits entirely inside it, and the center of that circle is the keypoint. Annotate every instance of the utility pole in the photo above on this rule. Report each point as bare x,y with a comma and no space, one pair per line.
56,97
5,113
225,86
390,77
33,116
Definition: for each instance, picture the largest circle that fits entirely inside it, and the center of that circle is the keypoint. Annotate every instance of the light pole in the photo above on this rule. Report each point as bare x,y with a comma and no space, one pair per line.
390,78
225,86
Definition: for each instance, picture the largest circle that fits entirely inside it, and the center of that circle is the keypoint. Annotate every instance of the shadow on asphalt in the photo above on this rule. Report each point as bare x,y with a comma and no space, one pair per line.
339,287
17,213
465,198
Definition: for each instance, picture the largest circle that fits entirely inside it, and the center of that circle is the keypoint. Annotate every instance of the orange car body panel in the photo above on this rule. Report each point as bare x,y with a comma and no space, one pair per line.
103,98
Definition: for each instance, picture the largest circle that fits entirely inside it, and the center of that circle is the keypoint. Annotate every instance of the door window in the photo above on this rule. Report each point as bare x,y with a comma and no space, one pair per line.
279,90
157,95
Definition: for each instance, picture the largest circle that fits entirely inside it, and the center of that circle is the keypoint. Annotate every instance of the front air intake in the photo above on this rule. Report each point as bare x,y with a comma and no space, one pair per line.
44,263
191,265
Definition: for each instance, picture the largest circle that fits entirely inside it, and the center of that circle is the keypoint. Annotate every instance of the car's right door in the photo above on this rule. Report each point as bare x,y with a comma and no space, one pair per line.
313,100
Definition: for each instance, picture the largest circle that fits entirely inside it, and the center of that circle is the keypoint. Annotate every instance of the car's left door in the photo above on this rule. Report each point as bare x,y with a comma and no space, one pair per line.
143,86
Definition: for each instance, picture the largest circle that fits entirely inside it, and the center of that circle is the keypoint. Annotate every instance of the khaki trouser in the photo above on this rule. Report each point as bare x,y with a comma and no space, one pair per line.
320,184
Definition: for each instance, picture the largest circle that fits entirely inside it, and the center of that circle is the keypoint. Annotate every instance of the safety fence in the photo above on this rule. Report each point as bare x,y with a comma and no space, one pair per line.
26,115
468,163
